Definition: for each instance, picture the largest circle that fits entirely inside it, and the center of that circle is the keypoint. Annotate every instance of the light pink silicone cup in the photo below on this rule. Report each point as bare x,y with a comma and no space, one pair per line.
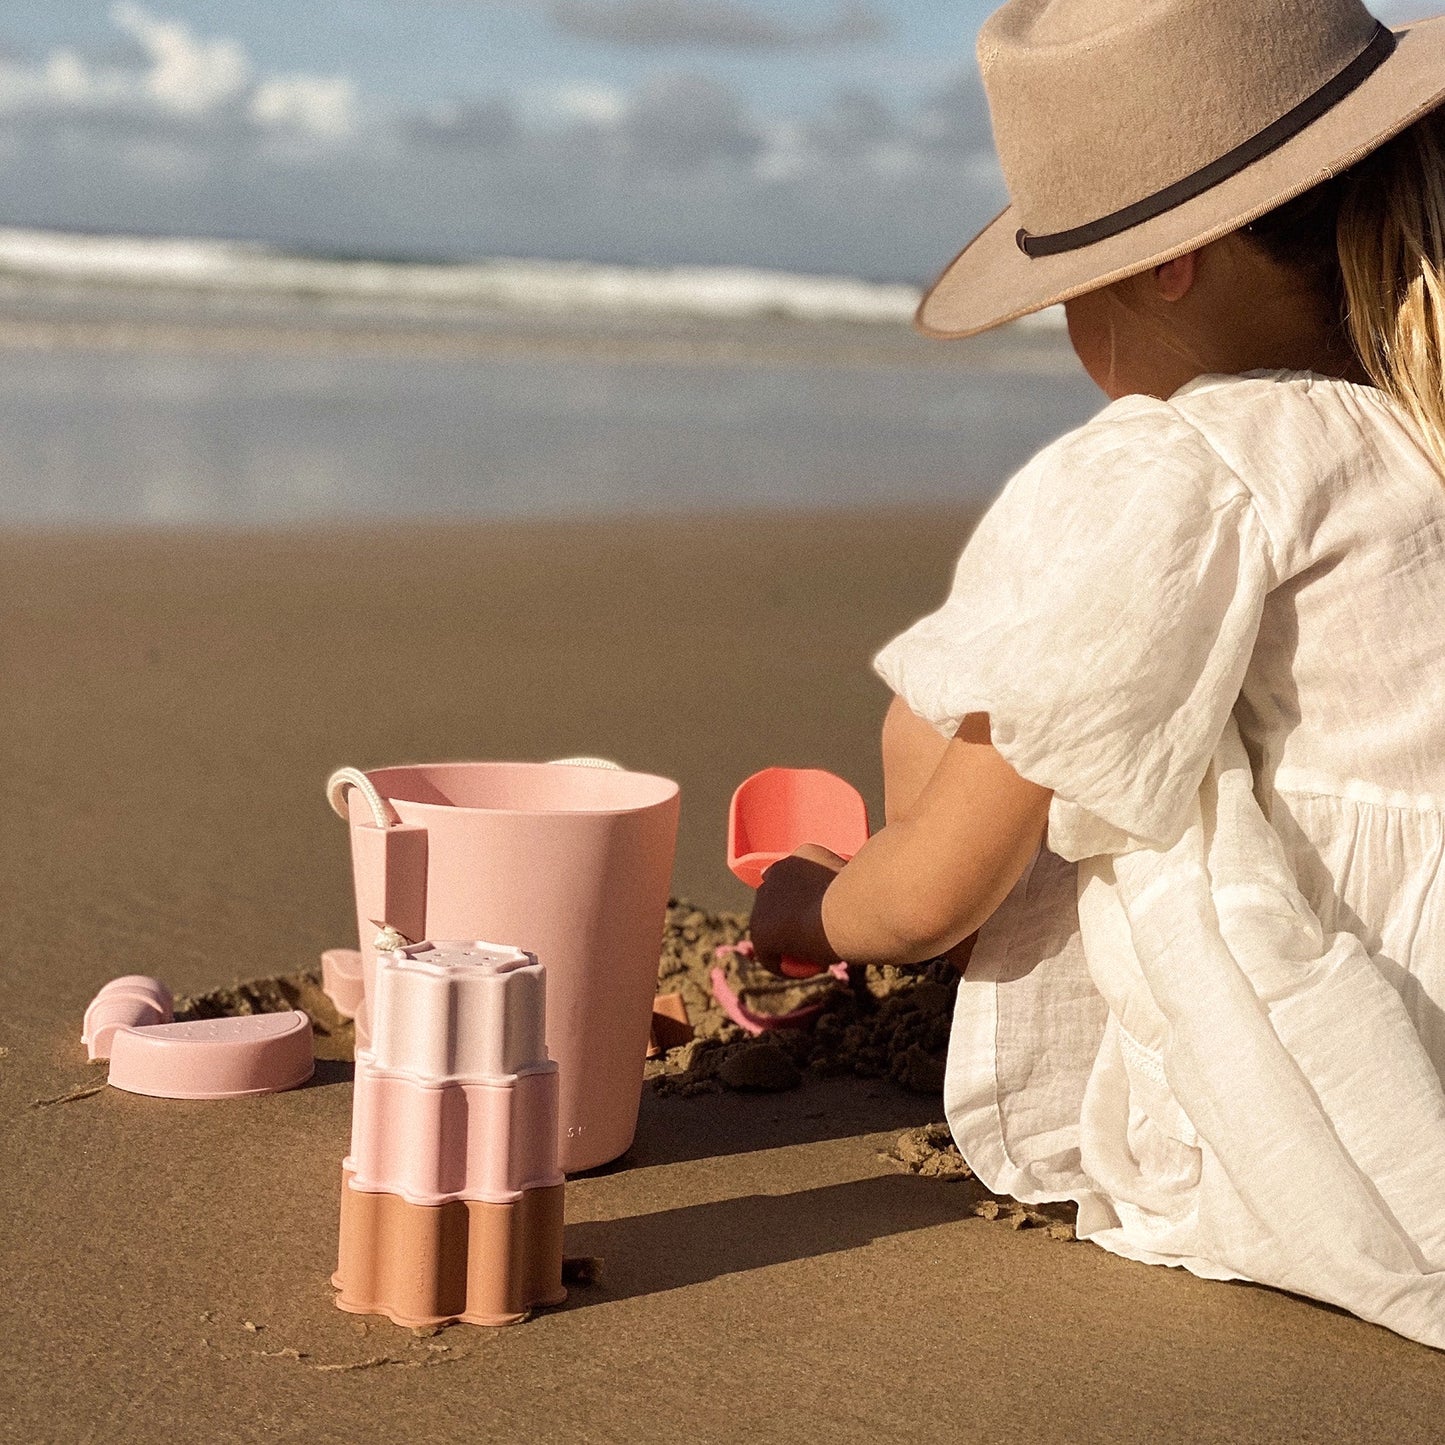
214,1058
455,1097
432,1143
341,979
133,1001
570,862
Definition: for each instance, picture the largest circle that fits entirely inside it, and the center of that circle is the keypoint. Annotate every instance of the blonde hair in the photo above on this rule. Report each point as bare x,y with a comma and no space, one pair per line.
1391,243
1371,241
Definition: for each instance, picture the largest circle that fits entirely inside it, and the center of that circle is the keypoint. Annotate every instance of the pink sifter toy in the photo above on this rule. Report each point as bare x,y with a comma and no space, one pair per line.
130,1022
451,1198
225,1058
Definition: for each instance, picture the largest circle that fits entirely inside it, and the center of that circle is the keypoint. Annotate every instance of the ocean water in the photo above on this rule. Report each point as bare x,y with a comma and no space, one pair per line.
194,386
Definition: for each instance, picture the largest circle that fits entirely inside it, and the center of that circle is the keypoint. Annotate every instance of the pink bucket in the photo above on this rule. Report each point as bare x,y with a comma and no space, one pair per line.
570,861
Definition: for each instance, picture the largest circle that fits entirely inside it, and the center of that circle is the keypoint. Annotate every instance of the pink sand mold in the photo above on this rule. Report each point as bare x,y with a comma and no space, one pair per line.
571,860
452,1199
222,1058
133,1001
341,979
444,1011
455,1097
751,1020
433,1143
776,811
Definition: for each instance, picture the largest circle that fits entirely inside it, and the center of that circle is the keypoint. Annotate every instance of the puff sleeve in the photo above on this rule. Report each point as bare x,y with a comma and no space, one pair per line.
1103,615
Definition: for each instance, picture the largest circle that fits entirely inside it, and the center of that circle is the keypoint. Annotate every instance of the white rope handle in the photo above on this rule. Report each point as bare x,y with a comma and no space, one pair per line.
343,778
588,763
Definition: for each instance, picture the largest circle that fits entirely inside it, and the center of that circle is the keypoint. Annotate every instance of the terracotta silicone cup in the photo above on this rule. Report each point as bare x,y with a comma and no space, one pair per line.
133,1001
572,862
777,810
214,1058
419,1265
671,1025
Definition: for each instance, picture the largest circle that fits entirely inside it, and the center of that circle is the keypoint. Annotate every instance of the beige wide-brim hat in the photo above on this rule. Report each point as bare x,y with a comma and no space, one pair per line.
1133,131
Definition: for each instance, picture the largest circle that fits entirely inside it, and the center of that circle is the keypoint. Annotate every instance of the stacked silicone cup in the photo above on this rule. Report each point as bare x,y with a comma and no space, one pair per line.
451,1201
130,1002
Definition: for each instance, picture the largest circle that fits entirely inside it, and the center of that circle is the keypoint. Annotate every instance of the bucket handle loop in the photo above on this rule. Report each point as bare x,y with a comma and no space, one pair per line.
382,813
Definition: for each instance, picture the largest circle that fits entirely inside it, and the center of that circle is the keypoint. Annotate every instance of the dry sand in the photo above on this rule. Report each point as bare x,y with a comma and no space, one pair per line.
782,1264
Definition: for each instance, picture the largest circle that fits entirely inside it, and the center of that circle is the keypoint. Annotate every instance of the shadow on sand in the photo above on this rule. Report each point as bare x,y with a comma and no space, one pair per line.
671,1130
649,1253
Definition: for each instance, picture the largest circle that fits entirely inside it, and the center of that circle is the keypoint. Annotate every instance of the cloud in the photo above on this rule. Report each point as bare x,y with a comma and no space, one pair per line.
323,106
170,81
464,124
955,119
723,23
687,121
186,74
601,105
854,122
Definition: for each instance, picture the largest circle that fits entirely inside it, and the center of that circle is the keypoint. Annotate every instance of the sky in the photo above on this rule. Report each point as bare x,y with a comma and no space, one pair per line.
842,136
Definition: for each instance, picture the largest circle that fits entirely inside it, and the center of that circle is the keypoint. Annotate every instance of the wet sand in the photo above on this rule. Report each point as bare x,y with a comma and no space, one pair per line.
172,705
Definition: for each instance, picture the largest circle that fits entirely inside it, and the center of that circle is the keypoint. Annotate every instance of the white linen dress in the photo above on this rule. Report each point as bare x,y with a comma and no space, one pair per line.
1212,1011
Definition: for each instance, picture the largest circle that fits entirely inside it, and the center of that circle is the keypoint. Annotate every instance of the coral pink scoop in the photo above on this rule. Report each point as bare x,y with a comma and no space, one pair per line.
777,810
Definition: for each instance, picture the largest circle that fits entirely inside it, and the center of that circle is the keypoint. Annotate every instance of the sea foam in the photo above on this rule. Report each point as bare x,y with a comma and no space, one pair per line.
187,264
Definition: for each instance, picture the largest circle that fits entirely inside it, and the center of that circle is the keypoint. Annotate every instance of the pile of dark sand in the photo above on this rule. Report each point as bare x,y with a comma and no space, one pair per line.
883,1023
332,1036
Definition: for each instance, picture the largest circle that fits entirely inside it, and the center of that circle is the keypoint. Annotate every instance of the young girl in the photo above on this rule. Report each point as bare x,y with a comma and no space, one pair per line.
1173,749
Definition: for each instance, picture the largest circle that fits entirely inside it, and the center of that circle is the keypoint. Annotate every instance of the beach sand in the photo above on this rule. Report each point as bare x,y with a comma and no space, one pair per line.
171,708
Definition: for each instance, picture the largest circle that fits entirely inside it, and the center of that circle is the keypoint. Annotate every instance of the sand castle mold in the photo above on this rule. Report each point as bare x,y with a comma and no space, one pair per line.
451,1194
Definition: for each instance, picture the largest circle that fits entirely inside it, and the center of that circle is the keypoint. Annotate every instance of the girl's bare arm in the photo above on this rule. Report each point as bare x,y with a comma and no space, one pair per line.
912,749
962,826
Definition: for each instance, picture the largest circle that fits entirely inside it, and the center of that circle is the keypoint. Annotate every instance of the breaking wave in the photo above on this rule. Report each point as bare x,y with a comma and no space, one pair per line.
236,267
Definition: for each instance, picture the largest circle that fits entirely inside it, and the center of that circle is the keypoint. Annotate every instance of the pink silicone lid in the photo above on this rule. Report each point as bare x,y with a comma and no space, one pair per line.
214,1058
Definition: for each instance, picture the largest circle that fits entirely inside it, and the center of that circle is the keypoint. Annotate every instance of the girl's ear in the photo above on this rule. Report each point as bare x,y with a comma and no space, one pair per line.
1175,279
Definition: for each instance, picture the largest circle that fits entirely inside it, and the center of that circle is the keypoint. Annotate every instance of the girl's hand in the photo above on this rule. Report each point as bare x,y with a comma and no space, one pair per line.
788,910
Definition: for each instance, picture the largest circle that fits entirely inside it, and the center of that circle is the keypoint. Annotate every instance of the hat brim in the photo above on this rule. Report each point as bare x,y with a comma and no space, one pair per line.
991,281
